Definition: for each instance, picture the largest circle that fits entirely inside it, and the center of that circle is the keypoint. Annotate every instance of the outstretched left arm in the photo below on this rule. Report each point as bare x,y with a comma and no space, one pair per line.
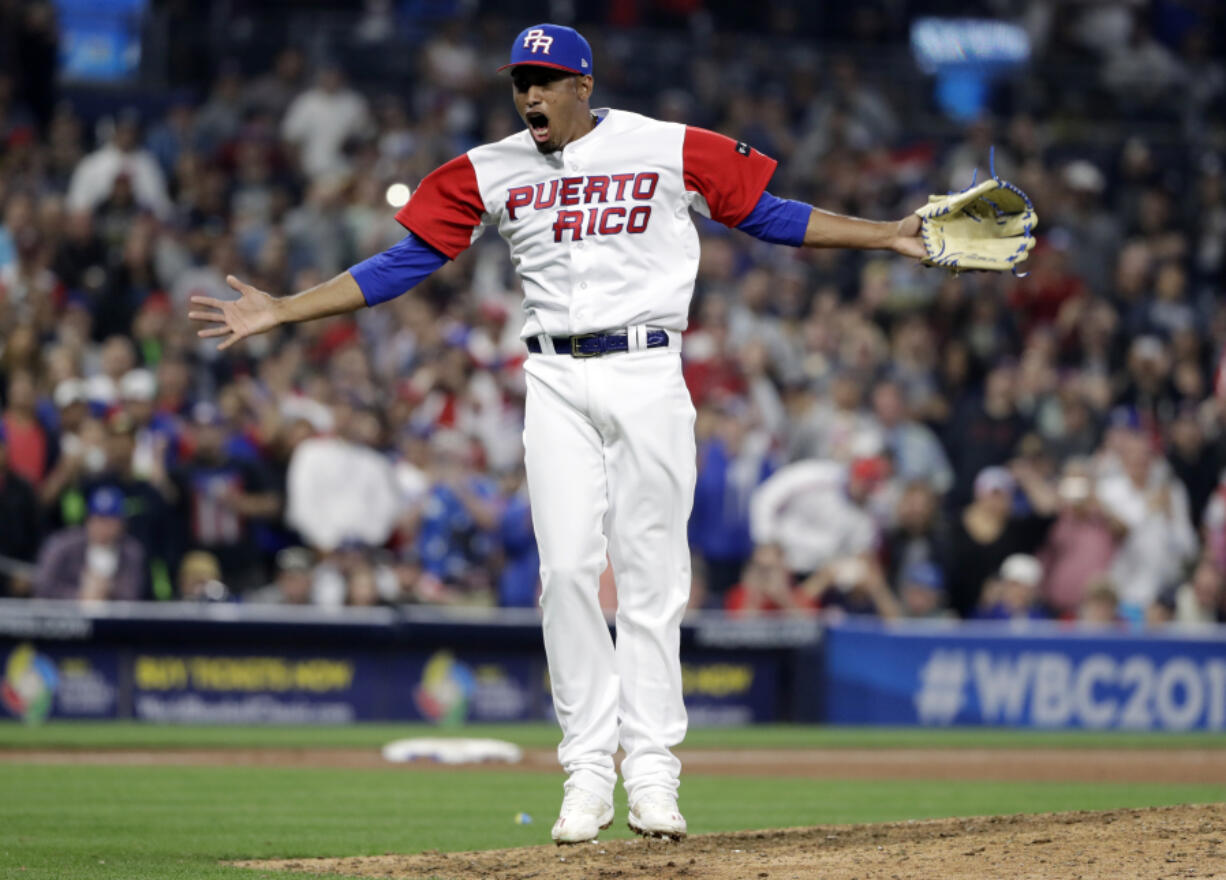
782,221
829,230
731,179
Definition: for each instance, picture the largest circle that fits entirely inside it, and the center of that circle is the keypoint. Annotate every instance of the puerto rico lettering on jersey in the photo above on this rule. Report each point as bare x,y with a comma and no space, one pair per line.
595,189
579,221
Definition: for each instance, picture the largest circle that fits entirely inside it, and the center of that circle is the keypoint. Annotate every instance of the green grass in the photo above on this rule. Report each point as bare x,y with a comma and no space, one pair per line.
137,735
167,823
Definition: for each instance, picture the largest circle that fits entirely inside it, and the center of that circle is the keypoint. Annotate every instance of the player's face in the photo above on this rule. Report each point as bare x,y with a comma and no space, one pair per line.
553,103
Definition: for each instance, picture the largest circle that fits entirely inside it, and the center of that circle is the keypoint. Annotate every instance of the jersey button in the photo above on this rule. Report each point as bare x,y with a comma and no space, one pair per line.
583,285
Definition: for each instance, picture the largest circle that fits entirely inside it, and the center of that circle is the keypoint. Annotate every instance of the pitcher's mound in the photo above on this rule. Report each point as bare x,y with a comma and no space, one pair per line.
1186,841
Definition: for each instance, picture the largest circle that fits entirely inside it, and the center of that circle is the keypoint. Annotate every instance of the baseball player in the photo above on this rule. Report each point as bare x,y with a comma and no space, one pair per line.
595,205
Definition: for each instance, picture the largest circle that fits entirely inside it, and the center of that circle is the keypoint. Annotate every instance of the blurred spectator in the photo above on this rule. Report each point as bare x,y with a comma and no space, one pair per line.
292,584
82,458
272,92
1141,72
1100,607
1014,593
1148,389
462,512
218,120
1151,507
322,120
172,137
340,488
985,535
154,432
732,462
912,446
838,429
217,494
1214,526
19,537
1080,545
200,578
350,575
767,585
1200,599
517,585
1159,613
95,561
852,585
985,431
122,159
814,511
28,450
921,592
919,533
1195,462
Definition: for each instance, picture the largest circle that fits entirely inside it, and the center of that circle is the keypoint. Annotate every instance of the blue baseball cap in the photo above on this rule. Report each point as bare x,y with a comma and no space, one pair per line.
106,501
551,45
924,574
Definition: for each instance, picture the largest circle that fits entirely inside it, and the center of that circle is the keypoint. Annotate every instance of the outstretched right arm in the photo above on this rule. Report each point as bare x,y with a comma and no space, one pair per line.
256,312
442,217
382,277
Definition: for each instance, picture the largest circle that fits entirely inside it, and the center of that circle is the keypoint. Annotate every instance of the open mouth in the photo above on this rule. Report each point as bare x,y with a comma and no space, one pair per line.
538,124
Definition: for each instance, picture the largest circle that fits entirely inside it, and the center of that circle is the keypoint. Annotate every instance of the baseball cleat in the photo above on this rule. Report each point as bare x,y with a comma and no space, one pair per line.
656,815
582,817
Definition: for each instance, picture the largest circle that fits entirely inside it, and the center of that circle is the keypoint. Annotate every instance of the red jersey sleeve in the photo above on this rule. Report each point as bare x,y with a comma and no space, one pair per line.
446,208
728,174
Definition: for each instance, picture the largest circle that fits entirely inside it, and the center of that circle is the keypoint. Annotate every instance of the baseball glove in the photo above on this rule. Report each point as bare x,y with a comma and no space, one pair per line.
989,226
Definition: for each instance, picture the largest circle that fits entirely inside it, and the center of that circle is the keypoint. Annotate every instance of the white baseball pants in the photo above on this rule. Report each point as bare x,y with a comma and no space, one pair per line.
610,456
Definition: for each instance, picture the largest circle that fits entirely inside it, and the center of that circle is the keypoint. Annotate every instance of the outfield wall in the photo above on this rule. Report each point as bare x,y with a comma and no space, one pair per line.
244,664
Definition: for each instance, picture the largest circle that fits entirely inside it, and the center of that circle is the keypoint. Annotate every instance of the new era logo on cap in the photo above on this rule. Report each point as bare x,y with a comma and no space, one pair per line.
551,45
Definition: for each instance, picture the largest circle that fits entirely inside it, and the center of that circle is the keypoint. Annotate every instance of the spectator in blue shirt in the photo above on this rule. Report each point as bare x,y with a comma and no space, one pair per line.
732,461
521,559
461,519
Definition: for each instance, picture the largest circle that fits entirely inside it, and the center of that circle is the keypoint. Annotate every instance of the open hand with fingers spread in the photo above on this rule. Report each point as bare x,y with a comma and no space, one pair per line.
254,312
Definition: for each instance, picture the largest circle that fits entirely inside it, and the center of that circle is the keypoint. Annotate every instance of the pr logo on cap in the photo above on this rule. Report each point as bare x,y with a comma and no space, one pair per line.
551,45
536,39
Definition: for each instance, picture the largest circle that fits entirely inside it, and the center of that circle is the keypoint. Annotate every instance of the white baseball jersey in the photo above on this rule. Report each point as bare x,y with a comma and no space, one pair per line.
600,231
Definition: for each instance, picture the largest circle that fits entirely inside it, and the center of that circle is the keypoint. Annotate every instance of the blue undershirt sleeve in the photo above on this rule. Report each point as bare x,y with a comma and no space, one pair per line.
778,221
402,266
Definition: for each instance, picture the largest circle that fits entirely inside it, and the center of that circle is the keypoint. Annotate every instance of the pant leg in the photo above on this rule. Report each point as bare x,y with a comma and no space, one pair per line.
564,459
650,458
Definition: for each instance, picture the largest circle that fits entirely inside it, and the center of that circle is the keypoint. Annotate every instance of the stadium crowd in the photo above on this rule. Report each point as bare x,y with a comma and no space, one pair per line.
874,437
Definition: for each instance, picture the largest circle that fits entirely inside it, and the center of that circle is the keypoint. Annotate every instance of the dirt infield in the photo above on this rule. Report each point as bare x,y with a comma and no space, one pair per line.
1167,842
1058,765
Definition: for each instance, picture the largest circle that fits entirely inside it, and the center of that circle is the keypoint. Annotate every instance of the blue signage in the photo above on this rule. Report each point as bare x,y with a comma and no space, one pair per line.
1041,675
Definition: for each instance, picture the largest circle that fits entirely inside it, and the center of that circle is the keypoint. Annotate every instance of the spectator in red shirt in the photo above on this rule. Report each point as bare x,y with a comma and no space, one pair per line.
18,521
27,441
766,586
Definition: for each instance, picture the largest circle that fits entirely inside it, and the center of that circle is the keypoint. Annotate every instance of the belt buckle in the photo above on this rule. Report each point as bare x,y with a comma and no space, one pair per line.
574,346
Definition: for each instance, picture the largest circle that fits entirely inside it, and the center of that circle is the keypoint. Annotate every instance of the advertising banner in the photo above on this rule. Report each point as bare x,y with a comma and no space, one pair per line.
1040,675
58,680
70,680
729,689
